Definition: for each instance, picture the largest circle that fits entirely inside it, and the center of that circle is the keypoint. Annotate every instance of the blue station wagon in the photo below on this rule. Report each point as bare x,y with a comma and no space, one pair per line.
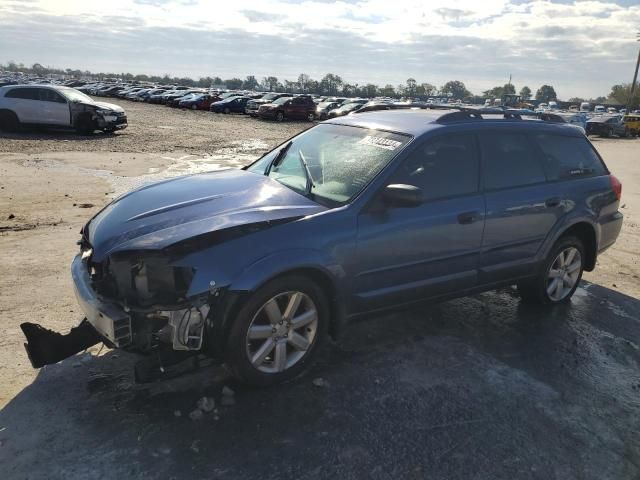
363,213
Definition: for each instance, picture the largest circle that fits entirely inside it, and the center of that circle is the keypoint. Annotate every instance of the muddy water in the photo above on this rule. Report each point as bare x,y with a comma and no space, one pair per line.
237,155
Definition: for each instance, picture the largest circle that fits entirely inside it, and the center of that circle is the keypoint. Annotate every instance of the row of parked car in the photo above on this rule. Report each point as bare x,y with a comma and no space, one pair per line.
266,105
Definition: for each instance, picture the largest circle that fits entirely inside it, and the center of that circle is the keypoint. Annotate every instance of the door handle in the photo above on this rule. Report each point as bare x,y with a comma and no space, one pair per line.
552,202
468,217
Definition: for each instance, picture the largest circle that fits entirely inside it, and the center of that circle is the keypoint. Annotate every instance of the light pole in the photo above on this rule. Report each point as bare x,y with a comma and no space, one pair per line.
635,78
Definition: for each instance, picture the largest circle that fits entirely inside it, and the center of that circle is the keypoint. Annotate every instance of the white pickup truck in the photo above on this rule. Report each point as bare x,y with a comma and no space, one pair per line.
55,106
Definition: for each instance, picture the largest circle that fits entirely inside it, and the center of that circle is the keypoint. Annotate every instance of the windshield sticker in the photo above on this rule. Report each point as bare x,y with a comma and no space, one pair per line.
380,142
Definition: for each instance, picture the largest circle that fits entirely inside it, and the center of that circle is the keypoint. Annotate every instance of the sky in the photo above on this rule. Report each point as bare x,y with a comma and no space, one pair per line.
582,48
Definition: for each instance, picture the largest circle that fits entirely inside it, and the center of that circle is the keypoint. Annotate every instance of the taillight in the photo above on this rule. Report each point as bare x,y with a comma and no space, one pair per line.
616,186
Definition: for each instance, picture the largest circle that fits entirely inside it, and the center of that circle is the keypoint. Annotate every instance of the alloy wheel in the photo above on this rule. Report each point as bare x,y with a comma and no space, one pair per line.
564,274
282,332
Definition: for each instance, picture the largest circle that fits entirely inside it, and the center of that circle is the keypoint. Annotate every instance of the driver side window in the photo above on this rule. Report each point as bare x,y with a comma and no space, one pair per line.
445,166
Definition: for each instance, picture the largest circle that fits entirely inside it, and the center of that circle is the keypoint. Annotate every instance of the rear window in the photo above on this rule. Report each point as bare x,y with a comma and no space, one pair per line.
568,157
509,161
24,93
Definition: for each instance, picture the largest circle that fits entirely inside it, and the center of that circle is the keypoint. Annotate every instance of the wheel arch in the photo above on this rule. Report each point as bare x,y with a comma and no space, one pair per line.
9,111
586,232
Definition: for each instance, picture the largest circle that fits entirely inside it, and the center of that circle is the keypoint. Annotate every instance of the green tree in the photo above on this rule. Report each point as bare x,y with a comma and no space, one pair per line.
455,89
250,83
303,82
388,91
525,93
369,90
429,90
233,83
509,89
621,94
546,93
410,89
330,84
270,83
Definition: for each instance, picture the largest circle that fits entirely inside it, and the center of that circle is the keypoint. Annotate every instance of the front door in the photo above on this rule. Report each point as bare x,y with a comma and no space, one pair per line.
412,253
54,108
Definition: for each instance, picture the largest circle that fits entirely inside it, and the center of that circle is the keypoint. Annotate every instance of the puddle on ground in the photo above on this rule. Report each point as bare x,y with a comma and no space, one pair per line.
237,155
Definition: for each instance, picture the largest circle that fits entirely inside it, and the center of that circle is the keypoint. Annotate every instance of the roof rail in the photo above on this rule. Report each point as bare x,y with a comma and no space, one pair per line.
458,116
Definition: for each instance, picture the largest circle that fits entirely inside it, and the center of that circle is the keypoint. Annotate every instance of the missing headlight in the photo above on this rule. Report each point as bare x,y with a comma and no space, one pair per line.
185,328
147,280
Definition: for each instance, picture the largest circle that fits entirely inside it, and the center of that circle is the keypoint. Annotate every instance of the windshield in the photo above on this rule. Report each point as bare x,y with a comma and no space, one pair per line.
269,96
350,106
75,96
281,100
340,159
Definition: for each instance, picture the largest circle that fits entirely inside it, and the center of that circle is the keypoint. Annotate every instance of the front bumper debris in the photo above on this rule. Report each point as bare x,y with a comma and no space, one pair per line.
110,320
45,347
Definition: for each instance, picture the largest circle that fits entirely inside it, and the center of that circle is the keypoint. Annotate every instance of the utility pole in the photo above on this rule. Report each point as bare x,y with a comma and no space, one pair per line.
635,79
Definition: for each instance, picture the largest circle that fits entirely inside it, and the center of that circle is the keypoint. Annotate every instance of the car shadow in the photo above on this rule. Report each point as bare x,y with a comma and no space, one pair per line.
530,391
55,134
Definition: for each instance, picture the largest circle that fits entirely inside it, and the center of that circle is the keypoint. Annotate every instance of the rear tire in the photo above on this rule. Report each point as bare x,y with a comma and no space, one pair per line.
275,352
227,111
311,117
560,275
9,121
280,116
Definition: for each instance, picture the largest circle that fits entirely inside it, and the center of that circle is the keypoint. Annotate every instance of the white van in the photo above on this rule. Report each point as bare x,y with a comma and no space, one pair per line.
585,107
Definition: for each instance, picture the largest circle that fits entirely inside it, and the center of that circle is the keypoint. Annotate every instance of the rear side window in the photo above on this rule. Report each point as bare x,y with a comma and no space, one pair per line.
508,160
23,93
568,157
442,167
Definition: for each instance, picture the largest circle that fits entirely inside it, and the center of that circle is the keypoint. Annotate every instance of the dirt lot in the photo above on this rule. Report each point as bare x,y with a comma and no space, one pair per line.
481,387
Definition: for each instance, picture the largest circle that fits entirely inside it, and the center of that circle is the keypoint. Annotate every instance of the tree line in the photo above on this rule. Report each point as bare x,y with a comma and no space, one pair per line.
332,84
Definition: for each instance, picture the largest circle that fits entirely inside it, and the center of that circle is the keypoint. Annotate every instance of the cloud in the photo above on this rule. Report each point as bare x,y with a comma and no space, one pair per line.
582,48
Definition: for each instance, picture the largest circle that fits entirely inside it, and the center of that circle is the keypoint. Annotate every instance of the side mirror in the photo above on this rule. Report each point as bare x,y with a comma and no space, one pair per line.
401,195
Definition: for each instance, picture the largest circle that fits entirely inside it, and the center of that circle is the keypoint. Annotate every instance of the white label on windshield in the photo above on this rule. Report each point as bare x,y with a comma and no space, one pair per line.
380,142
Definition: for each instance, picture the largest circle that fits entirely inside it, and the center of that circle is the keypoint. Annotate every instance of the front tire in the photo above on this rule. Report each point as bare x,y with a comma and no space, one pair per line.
278,331
559,278
280,116
227,111
85,124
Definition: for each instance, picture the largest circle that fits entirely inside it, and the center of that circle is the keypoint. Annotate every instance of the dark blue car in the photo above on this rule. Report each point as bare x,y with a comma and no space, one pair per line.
230,105
364,213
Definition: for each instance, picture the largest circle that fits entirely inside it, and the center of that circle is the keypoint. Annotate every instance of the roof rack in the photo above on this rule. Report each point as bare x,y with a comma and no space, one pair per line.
459,115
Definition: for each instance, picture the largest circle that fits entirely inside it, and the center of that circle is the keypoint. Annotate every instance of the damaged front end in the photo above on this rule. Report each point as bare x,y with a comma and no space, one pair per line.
132,301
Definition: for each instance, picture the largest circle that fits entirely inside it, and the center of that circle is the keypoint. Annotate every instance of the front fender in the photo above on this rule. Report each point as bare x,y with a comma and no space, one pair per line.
261,271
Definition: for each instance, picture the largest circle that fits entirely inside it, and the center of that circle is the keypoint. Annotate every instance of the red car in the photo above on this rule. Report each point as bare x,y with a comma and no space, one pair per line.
300,108
201,102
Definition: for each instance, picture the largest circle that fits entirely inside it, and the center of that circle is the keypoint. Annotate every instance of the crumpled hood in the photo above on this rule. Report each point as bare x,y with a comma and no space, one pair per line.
109,106
161,214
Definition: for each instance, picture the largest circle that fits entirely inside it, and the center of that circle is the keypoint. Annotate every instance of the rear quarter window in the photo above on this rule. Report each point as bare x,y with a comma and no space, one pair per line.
568,157
23,93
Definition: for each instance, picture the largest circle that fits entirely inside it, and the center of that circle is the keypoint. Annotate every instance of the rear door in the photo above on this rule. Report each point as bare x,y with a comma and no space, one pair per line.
24,102
406,254
297,107
522,207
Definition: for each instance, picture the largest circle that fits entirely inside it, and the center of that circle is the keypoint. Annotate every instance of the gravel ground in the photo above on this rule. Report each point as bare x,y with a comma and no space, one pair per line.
157,128
480,387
